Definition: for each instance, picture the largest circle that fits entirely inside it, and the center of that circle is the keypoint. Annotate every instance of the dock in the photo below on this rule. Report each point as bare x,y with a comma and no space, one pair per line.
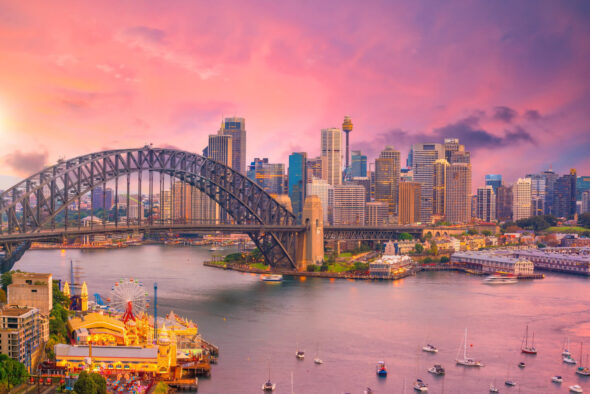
184,384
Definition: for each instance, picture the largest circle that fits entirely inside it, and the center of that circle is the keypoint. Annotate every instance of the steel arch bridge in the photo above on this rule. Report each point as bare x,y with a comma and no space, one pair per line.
29,209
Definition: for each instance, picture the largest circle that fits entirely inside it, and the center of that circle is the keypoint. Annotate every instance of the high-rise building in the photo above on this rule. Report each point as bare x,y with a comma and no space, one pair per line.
315,169
325,191
486,203
409,202
377,213
521,199
564,195
582,184
102,198
347,128
458,193
406,175
331,151
423,158
585,201
220,149
538,193
269,176
387,173
439,187
297,181
364,182
359,164
451,145
504,203
349,204
494,180
236,129
550,178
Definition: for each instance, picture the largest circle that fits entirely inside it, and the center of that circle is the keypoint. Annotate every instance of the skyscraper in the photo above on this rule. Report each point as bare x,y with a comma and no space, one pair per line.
409,202
364,182
550,178
521,199
439,187
582,184
387,172
221,149
494,180
538,192
486,203
315,168
458,193
349,204
269,176
236,128
504,203
359,164
564,195
325,191
585,201
347,128
331,152
297,181
423,158
451,145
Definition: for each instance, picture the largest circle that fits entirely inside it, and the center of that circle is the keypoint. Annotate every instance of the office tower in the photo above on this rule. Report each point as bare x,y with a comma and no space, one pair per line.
331,152
504,203
494,180
325,191
409,160
347,128
409,202
458,193
451,145
406,175
473,206
521,199
377,213
315,169
364,182
564,195
538,192
102,198
582,184
387,171
550,178
220,149
269,176
349,205
423,158
359,164
486,203
297,181
460,156
236,129
438,187
585,201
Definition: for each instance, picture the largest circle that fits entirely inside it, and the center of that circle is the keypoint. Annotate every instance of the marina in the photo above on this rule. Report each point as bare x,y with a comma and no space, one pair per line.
224,303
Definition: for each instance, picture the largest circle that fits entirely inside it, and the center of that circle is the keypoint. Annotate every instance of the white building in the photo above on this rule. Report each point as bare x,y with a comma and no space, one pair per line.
389,264
521,199
349,205
331,151
325,191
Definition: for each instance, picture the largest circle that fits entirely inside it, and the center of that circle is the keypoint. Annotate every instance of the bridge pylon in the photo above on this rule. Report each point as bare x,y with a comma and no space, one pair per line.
310,243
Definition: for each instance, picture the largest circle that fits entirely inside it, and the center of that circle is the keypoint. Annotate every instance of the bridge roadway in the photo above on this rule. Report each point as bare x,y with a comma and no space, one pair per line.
336,233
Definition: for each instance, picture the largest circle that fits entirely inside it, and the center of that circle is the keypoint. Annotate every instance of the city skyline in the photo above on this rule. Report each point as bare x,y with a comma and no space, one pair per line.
519,93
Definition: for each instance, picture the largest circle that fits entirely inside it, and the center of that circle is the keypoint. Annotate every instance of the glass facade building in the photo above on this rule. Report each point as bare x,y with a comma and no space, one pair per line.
494,180
297,181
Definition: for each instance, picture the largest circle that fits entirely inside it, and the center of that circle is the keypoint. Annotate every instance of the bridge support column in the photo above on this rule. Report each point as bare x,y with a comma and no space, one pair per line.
310,244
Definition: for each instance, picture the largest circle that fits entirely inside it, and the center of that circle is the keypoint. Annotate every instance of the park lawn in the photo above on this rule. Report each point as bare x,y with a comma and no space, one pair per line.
337,267
345,254
260,266
567,229
219,263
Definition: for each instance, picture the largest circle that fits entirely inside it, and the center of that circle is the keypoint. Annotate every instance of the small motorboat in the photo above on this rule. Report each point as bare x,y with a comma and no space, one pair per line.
557,379
436,369
300,354
269,386
569,360
521,364
510,383
430,348
493,389
381,369
318,361
419,385
576,388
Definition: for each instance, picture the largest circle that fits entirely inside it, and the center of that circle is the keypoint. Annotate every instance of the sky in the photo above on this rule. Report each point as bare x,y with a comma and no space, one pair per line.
510,79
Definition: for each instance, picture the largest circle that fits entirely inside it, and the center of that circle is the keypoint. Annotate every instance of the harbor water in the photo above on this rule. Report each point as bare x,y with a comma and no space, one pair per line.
353,324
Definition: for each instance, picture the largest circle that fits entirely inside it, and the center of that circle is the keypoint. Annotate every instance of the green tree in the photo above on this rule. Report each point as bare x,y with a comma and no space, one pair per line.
100,383
444,259
12,373
419,248
6,279
360,266
405,237
85,384
472,231
433,248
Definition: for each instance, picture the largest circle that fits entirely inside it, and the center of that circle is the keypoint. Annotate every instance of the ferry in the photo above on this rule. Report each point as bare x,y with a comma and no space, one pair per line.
272,278
500,280
381,369
430,348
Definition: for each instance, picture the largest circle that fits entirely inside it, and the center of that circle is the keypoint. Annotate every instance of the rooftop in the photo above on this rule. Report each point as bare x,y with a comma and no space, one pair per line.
15,311
63,350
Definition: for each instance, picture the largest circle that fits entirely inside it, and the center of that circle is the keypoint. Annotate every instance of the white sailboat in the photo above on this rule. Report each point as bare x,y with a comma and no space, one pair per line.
466,361
566,351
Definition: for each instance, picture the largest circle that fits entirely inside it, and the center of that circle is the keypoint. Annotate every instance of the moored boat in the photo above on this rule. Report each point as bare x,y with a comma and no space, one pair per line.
569,359
524,346
493,388
466,361
510,383
583,370
436,369
419,385
576,388
557,379
269,386
521,364
430,348
300,354
381,369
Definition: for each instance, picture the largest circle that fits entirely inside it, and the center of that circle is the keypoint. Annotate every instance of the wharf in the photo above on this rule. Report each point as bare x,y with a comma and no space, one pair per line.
184,384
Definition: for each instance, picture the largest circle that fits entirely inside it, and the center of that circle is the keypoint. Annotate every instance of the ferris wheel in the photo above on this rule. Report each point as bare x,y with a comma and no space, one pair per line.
130,297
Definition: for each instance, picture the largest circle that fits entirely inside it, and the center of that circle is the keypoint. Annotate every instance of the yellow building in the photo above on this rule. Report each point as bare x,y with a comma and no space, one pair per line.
101,329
